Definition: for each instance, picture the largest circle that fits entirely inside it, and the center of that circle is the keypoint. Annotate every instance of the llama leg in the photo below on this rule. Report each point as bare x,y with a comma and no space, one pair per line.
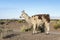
34,29
47,27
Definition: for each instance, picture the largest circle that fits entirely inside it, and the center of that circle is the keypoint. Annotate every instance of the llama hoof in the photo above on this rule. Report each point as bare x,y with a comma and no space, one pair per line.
47,33
34,33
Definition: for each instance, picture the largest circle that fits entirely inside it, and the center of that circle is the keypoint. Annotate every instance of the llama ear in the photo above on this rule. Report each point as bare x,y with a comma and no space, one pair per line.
23,11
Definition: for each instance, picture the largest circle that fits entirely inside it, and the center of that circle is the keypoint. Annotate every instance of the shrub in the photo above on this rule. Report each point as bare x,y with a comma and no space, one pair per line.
56,26
2,23
25,28
22,29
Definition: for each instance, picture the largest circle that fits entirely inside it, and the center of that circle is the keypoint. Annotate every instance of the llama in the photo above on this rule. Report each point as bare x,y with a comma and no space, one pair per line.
37,20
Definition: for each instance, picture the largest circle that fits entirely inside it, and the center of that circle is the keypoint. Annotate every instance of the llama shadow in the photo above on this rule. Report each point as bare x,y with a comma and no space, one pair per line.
9,36
41,28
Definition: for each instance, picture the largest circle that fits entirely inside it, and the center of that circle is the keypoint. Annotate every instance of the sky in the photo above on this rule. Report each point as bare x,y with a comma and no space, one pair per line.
11,9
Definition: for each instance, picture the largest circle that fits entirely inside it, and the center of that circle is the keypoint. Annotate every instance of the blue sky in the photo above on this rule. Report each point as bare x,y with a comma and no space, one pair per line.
12,8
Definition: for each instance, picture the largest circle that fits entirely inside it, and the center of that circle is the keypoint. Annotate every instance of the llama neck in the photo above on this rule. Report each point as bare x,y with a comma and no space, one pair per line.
27,18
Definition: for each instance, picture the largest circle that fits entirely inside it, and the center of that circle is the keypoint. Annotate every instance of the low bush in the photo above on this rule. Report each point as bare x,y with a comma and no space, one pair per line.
22,29
2,22
25,29
57,25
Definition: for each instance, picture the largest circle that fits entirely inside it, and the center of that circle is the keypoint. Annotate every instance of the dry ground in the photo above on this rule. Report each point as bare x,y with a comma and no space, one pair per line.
14,33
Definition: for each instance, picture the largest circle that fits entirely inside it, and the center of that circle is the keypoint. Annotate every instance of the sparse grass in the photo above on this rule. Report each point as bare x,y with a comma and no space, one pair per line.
22,29
0,30
57,25
21,21
25,29
2,22
12,20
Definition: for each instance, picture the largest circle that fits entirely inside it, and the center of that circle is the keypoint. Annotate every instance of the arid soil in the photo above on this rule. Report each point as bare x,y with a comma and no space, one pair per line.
11,31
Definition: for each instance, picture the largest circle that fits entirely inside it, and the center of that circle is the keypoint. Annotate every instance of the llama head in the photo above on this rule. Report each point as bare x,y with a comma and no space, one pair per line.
23,15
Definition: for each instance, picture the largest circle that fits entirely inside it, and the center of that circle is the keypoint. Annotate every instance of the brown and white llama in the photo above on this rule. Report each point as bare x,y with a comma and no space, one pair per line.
37,20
